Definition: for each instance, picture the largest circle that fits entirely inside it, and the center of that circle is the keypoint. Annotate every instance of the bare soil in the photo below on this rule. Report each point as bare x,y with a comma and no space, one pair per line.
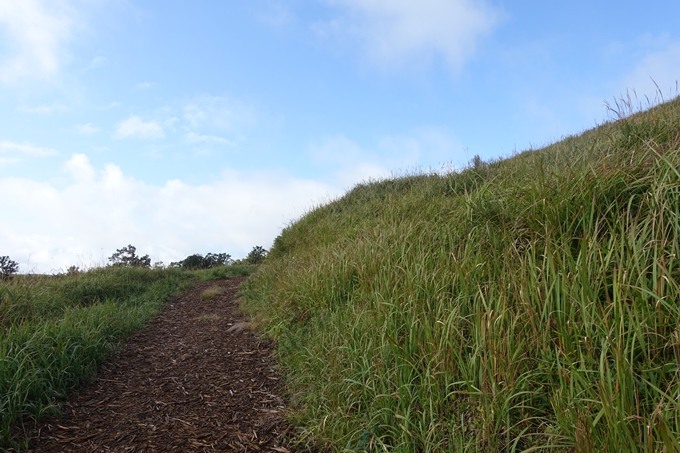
196,379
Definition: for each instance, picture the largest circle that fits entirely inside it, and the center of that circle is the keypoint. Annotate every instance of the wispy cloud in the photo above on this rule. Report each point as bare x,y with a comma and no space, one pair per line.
5,161
348,162
217,112
426,148
394,32
275,14
96,62
110,106
193,137
658,70
87,129
143,86
26,149
45,109
36,32
138,128
167,221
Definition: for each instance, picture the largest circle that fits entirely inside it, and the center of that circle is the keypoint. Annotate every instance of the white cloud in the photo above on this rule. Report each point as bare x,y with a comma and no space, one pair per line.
25,148
136,127
429,146
96,62
87,129
4,161
143,86
348,161
275,14
110,106
45,109
170,122
394,32
660,67
35,31
218,113
425,148
80,169
102,210
193,137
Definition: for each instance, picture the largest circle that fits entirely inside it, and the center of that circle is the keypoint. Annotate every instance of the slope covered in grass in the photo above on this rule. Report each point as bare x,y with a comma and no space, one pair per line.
55,330
528,302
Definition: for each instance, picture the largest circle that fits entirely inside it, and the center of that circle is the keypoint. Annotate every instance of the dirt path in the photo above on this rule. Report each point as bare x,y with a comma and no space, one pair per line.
194,380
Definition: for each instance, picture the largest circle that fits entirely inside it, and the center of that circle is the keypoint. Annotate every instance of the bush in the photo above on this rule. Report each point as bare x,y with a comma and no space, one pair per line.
7,267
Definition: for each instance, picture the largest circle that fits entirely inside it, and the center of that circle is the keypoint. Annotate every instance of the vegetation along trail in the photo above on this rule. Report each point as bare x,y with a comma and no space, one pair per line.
196,379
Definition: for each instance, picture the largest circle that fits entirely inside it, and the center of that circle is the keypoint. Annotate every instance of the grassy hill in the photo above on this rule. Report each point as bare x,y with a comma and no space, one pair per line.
524,304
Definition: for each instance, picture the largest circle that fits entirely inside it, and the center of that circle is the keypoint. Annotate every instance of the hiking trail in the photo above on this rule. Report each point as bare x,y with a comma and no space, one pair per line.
195,379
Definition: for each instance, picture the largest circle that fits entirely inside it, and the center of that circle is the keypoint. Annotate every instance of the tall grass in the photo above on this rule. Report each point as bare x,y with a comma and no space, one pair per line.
525,304
55,330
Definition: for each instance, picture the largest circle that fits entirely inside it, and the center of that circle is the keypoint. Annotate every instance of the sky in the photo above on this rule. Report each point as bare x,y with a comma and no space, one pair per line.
209,126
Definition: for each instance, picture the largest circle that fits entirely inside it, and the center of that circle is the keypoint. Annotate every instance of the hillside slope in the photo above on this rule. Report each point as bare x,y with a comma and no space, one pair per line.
529,302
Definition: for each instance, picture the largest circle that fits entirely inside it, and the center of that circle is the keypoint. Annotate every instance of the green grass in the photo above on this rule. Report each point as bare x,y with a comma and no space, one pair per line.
55,330
232,270
526,304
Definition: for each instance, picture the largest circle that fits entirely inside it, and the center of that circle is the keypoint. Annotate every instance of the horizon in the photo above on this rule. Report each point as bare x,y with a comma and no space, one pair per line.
184,129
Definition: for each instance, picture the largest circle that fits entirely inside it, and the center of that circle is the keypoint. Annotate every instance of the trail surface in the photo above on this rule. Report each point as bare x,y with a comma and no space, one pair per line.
196,379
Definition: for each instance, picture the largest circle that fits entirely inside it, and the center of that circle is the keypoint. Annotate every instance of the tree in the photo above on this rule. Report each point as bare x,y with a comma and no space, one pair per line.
217,259
127,257
7,267
198,261
256,255
192,262
73,270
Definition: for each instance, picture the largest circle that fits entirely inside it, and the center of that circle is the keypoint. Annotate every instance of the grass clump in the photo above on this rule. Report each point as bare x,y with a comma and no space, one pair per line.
212,292
523,304
55,330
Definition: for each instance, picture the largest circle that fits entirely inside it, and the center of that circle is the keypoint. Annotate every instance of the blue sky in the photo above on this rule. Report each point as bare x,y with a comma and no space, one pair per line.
193,127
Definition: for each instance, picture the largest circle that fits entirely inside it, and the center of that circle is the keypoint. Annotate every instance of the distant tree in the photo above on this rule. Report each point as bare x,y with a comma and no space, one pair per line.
192,262
217,259
256,255
73,270
476,162
7,267
198,261
127,257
